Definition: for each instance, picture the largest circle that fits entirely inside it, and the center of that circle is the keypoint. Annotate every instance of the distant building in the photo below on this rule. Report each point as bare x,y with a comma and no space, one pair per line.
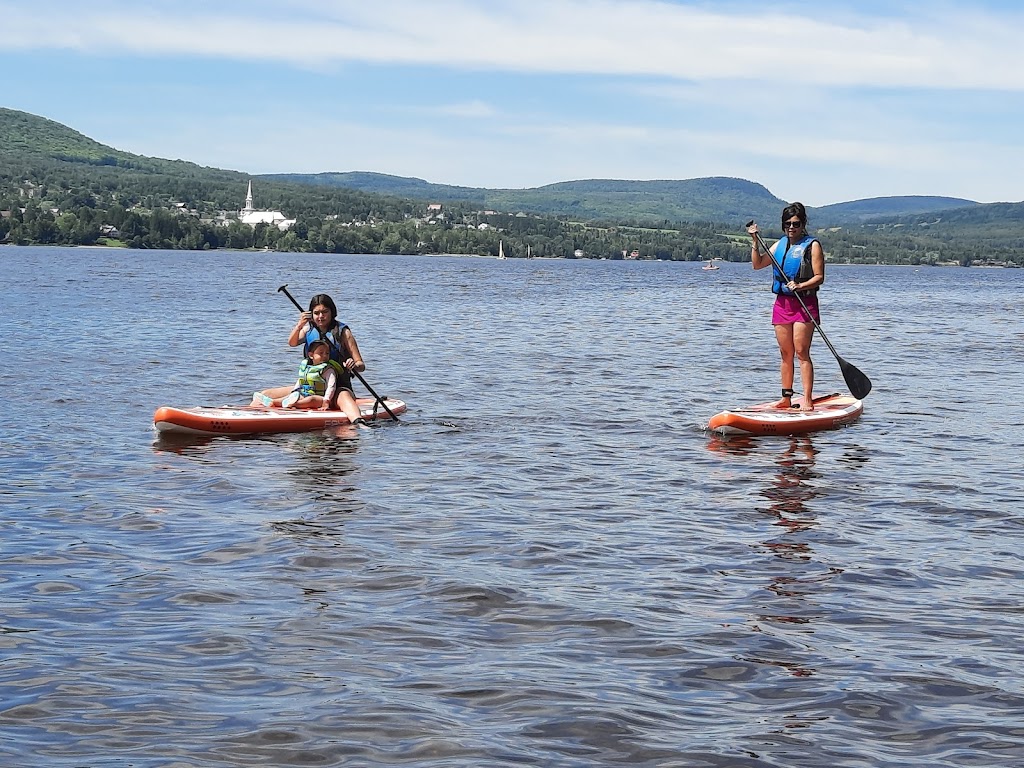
252,217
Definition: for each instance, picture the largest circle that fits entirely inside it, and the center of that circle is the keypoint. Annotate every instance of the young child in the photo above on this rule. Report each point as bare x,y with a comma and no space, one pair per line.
318,379
315,387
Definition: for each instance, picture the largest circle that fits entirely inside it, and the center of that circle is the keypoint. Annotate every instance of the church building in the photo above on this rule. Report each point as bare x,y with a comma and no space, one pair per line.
252,217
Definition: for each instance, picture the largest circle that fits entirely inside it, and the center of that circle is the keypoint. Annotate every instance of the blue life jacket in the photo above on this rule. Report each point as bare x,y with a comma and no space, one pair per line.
794,256
334,339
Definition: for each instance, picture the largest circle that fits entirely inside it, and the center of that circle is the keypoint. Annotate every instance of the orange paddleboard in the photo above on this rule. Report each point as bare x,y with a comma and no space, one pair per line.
251,420
830,412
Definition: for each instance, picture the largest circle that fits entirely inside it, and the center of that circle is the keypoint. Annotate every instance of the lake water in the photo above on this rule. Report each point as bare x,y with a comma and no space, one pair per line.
548,562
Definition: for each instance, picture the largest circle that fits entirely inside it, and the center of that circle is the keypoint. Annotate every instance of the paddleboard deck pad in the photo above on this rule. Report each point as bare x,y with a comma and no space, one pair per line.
830,412
251,420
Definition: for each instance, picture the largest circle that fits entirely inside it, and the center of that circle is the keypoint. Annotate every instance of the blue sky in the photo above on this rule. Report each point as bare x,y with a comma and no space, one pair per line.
820,101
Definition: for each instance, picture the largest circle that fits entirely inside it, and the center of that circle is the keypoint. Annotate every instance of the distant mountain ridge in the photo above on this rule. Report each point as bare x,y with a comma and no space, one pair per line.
712,199
716,198
726,200
875,208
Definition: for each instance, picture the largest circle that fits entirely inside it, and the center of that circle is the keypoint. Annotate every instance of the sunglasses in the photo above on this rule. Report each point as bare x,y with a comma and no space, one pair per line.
791,225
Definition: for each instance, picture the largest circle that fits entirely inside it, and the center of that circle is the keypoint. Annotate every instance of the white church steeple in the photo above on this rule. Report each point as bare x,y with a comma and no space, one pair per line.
248,199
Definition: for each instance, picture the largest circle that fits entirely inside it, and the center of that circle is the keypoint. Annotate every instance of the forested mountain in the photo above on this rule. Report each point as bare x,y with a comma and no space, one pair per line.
708,199
386,184
711,199
58,186
881,208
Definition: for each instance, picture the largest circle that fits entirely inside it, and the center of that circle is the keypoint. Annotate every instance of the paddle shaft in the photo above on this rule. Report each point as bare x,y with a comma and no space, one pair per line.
284,289
859,384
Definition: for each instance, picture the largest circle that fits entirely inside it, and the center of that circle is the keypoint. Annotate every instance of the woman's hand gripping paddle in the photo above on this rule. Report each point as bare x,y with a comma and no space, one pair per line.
284,289
859,384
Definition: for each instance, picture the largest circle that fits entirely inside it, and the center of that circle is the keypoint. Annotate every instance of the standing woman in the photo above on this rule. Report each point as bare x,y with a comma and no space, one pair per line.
320,323
803,265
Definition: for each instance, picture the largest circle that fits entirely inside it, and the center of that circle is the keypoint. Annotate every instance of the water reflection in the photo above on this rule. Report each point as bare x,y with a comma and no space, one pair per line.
182,445
790,493
321,470
311,472
793,575
320,461
194,446
736,445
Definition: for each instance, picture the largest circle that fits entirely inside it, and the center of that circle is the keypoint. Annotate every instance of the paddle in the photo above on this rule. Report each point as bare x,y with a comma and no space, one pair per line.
284,289
859,384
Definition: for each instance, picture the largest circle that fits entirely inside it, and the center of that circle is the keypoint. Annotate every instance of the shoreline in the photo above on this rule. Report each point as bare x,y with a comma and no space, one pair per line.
954,265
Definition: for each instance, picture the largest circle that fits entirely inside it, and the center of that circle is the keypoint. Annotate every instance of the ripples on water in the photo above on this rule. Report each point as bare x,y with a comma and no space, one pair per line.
548,562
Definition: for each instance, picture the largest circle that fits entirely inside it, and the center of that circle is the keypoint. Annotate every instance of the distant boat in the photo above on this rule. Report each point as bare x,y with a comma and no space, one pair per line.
710,265
501,250
529,252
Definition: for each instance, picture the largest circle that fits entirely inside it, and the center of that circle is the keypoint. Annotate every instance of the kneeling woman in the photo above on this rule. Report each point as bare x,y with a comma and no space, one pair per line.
803,265
320,323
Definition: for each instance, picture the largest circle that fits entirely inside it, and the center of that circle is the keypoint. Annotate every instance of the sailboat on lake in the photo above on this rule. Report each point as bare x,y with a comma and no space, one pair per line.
501,251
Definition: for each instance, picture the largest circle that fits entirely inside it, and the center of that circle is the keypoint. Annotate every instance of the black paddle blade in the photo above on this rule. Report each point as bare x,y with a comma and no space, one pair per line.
859,384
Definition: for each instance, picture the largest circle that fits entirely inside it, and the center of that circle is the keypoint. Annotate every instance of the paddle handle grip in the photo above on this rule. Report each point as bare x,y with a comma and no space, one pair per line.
284,289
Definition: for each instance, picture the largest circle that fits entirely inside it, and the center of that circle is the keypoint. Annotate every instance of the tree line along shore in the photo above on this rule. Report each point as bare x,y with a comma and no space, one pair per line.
410,227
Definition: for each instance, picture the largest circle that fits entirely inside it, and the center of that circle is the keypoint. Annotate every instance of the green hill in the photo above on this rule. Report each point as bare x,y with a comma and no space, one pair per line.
23,133
877,208
26,138
385,184
708,199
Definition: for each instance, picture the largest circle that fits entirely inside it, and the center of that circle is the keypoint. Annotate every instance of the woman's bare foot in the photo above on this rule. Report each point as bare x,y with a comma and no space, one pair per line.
787,398
807,404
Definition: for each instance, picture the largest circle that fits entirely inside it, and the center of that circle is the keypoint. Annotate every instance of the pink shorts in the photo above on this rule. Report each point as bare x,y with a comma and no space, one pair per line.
787,309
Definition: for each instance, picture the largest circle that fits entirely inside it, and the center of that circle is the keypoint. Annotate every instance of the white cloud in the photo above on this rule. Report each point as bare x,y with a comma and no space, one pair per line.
944,49
467,109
